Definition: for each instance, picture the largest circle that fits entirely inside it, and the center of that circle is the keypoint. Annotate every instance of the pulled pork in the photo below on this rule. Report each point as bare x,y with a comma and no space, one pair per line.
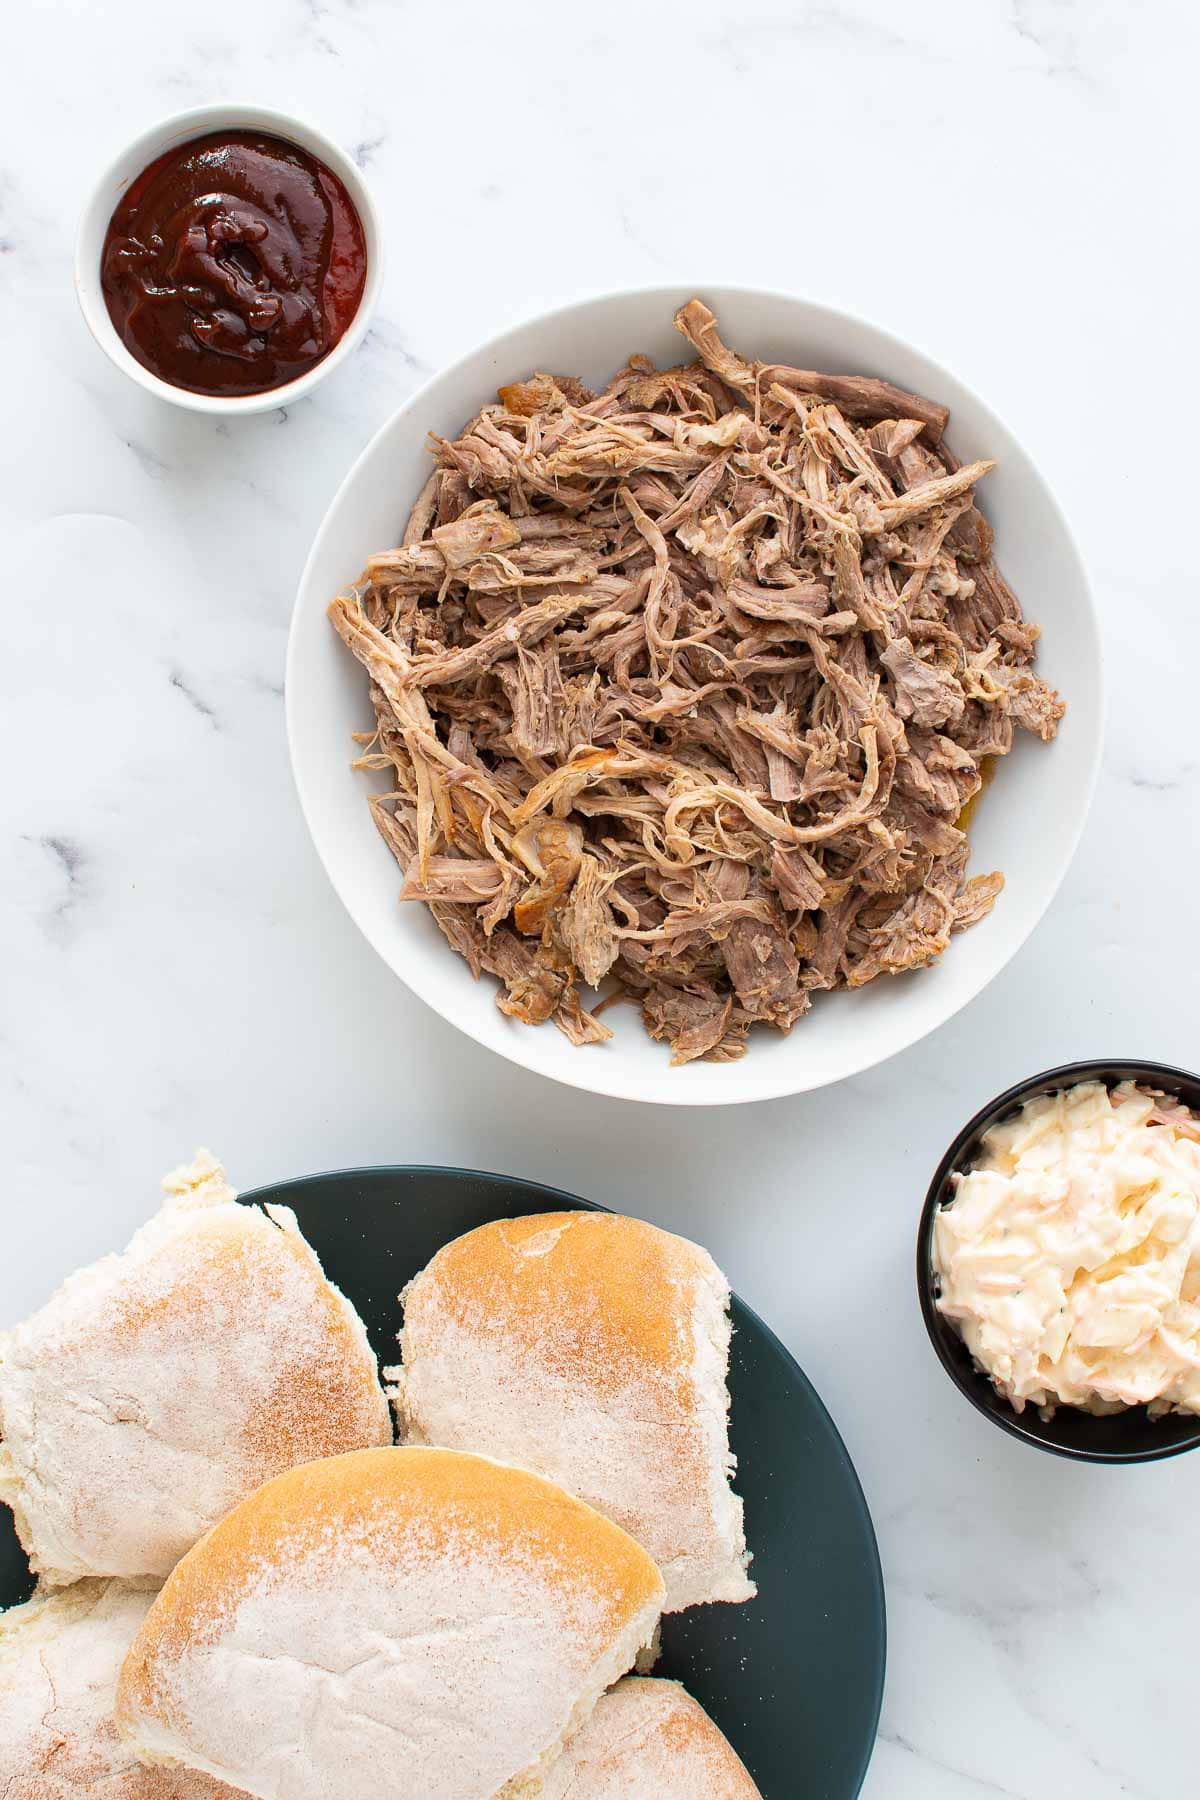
685,686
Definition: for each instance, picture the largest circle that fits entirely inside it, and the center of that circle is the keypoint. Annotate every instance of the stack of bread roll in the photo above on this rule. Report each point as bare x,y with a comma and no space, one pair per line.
245,1587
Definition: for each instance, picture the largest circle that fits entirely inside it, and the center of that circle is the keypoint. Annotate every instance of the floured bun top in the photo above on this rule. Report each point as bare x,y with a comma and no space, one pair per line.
60,1656
594,1349
649,1738
158,1387
391,1622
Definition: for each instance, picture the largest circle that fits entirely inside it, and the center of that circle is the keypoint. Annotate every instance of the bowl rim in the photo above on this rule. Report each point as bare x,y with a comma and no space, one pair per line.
971,1383
596,1078
179,128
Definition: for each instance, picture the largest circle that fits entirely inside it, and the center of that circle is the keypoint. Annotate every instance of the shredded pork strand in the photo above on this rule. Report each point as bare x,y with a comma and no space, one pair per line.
686,686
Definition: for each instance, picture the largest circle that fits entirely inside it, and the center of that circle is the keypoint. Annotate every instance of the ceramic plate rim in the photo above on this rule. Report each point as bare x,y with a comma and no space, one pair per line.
351,1193
276,1194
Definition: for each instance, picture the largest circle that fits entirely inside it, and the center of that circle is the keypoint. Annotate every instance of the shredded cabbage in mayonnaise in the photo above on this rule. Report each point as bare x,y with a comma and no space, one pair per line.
1070,1255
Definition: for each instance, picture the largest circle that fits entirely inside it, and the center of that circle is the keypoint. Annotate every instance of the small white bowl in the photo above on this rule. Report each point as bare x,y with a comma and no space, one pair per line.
196,122
1028,823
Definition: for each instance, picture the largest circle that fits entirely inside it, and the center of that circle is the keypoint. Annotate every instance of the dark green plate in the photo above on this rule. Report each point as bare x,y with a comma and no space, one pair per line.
794,1678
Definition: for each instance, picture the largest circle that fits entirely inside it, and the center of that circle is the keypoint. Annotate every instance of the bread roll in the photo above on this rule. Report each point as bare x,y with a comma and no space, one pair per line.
649,1738
390,1623
59,1659
158,1387
594,1349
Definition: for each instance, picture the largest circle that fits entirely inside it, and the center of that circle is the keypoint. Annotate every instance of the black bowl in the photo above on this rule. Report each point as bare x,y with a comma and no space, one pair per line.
1124,1437
793,1678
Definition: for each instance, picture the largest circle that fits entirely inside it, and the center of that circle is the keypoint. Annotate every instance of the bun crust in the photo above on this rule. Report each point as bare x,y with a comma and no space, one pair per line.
599,1279
593,1348
158,1387
390,1621
60,1655
649,1737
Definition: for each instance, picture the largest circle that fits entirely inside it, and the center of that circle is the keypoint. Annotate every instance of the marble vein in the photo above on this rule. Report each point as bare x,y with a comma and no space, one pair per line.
183,686
977,1782
1006,184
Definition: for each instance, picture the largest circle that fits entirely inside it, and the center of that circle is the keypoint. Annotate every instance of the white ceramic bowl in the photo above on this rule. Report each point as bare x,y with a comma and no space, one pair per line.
179,129
1028,823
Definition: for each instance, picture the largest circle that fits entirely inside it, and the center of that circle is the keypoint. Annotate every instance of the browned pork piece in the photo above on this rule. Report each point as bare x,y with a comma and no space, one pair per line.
684,686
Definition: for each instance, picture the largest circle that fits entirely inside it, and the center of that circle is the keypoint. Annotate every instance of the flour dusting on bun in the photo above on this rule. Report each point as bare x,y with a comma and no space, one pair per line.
649,1738
592,1348
393,1623
160,1386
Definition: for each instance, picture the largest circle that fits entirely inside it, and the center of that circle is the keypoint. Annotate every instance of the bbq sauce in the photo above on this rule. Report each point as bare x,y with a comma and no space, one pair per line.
233,264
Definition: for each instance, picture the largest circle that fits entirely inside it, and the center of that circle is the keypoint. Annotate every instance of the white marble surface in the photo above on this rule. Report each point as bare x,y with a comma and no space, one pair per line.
1009,184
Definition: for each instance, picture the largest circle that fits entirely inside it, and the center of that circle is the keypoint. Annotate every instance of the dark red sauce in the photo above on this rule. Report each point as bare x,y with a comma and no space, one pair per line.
233,264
